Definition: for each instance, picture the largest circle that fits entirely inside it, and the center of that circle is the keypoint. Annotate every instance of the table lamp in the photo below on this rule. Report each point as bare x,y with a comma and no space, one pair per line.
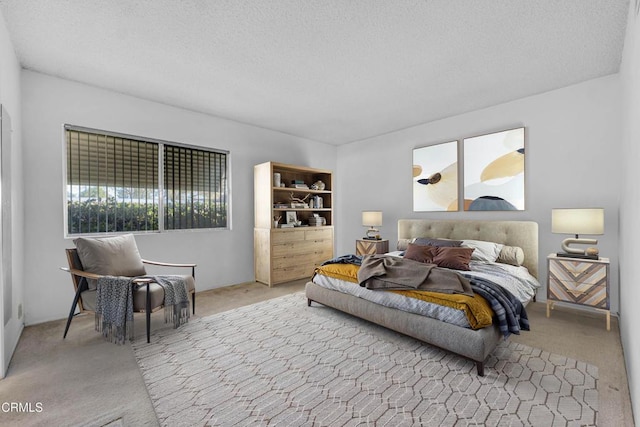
578,221
372,219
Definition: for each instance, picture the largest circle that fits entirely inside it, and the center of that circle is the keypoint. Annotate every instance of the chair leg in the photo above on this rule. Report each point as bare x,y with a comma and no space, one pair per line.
72,312
148,314
193,301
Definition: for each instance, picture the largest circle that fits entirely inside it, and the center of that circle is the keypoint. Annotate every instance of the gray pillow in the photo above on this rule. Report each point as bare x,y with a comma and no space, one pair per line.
441,243
112,256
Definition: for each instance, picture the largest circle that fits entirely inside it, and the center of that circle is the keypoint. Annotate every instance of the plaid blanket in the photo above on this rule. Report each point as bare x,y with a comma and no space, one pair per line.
508,310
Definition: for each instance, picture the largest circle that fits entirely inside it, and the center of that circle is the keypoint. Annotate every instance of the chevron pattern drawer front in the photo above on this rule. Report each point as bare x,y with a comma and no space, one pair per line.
579,281
371,247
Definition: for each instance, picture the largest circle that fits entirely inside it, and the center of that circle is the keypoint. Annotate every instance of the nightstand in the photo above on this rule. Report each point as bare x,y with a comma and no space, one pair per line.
579,281
371,247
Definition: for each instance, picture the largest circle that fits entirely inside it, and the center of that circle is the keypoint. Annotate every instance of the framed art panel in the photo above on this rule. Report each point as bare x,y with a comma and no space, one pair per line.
435,177
494,171
292,217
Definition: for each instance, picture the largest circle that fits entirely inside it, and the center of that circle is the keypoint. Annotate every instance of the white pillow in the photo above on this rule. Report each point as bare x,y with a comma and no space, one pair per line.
512,255
403,244
483,251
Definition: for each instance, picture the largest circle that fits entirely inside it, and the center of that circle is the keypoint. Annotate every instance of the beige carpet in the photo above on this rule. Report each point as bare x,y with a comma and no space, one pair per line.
282,363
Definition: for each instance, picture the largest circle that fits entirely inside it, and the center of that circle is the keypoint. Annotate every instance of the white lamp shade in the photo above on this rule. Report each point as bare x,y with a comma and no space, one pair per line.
371,218
577,221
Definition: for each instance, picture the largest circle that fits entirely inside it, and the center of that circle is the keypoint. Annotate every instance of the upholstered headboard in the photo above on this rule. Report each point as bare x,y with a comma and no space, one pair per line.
512,233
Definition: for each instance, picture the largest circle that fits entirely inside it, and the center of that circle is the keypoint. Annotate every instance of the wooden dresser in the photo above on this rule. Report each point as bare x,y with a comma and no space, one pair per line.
292,253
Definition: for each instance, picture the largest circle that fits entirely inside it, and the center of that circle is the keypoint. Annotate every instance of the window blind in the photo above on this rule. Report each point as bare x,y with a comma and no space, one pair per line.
195,188
112,184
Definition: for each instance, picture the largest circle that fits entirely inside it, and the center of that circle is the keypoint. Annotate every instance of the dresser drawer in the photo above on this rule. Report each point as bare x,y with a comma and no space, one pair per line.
593,295
578,271
318,234
315,258
300,234
286,236
301,247
293,272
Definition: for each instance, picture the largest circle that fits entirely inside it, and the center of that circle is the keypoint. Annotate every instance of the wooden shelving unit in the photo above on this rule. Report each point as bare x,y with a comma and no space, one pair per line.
286,254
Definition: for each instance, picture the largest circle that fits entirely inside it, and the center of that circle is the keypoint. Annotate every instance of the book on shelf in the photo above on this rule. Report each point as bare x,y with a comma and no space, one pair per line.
287,225
297,181
295,205
303,186
280,205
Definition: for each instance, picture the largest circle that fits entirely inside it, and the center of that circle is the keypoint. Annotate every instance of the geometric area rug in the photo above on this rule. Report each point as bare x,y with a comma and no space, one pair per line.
282,363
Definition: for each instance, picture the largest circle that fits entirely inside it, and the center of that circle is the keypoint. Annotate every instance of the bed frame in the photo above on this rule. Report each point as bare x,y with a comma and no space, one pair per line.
473,344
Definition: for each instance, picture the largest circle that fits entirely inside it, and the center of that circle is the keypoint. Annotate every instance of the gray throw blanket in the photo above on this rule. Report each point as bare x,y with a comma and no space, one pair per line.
176,299
114,305
395,273
114,308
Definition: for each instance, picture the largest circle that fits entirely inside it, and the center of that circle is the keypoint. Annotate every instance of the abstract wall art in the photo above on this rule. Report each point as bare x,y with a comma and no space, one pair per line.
435,177
494,171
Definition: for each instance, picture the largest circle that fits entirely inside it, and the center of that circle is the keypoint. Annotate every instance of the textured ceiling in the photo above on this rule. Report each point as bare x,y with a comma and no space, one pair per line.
335,70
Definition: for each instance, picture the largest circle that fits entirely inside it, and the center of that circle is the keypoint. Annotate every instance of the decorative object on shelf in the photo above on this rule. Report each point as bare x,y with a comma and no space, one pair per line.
276,220
578,221
298,199
317,221
299,203
318,202
372,219
292,217
318,185
435,177
276,179
494,171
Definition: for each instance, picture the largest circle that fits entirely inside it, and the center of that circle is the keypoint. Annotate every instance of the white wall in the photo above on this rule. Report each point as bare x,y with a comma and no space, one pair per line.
630,205
10,98
572,160
223,257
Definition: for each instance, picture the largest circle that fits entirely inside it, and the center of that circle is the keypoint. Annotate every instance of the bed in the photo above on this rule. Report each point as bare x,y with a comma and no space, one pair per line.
474,344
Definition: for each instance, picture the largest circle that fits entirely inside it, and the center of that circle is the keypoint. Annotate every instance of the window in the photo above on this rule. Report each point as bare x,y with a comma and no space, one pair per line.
118,183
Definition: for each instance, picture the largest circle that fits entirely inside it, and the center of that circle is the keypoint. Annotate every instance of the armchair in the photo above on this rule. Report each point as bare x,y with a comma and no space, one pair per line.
94,258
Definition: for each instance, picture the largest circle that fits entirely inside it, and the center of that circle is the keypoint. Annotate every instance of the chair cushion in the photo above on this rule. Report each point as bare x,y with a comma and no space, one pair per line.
140,297
113,256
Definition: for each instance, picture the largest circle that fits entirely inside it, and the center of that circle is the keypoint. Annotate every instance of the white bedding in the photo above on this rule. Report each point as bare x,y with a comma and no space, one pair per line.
516,280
